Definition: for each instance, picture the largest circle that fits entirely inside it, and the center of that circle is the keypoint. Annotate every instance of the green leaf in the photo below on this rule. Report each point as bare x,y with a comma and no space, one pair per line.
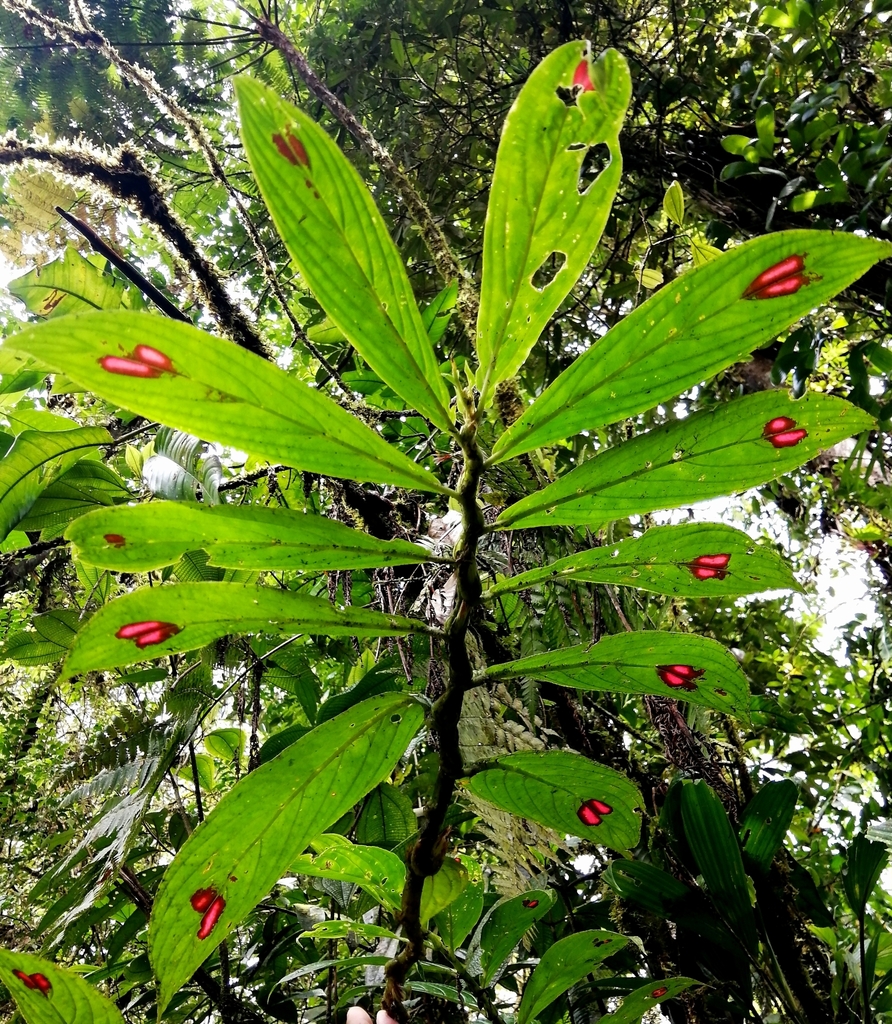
563,964
663,560
438,313
49,640
715,847
538,220
183,468
443,888
153,535
338,240
504,925
218,391
34,461
563,791
252,836
681,665
68,285
673,204
702,253
455,922
87,484
688,332
387,818
46,994
765,821
637,1003
197,613
703,456
765,129
225,744
865,862
380,872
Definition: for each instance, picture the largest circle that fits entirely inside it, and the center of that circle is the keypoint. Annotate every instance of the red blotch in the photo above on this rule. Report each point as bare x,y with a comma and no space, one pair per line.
780,433
658,993
283,147
299,150
722,693
592,811
531,904
680,677
38,982
115,539
784,278
709,567
581,77
129,367
202,899
211,917
151,356
146,633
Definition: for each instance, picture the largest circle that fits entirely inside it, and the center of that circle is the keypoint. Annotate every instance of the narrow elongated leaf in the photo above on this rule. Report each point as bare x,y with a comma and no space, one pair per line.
680,665
155,621
47,994
252,836
380,872
72,284
637,1003
690,560
563,964
544,219
174,373
504,926
689,331
715,846
136,538
566,792
765,821
704,456
337,238
34,461
864,865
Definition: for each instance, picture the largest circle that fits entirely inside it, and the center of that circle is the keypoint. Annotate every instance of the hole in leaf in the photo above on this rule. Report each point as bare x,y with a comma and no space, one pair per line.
548,271
396,719
596,159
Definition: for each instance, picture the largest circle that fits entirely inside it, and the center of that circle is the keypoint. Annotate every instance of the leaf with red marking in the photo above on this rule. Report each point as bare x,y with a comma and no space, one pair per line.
563,964
504,925
544,219
704,456
636,1004
689,560
551,788
688,331
215,390
682,665
339,241
156,621
47,994
251,838
136,538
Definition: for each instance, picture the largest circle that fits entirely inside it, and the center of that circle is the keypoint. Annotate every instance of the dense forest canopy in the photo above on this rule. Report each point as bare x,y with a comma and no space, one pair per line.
411,601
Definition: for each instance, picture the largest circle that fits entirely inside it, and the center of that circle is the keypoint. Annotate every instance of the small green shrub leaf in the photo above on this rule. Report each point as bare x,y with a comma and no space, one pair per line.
380,872
252,836
680,665
504,925
704,456
637,1003
566,792
46,994
690,560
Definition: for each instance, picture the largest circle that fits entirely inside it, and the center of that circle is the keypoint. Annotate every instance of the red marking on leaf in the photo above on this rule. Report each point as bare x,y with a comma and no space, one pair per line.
679,677
709,567
722,693
146,633
211,917
284,149
784,278
581,77
658,993
115,539
780,433
40,982
299,150
147,354
129,367
592,811
202,899
531,904
232,878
